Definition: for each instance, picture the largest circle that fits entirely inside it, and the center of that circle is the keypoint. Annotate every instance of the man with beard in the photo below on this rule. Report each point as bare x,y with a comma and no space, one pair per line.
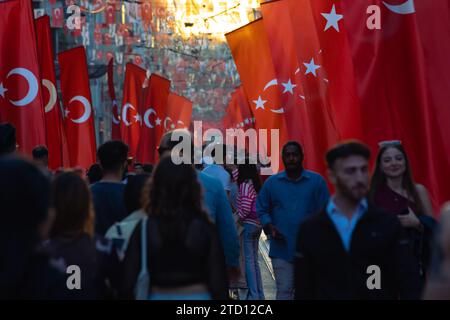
353,250
284,201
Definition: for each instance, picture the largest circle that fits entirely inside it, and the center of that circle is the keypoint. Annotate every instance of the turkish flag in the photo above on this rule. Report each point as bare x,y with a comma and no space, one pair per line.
56,137
115,113
110,13
178,113
239,114
251,52
146,13
58,17
20,90
131,119
391,69
153,109
78,109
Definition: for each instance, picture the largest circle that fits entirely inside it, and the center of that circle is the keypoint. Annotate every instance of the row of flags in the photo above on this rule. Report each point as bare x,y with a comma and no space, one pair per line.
29,99
320,73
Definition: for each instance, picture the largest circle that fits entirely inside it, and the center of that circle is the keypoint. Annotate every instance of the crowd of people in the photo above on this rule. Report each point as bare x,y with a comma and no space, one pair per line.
192,232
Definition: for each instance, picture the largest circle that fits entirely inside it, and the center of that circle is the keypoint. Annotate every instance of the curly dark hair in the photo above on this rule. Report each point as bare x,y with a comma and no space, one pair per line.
173,196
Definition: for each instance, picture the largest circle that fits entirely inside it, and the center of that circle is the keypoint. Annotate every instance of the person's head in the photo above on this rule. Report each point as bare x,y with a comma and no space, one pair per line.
292,155
133,191
25,220
24,198
174,196
348,169
7,139
171,139
113,157
71,202
392,163
94,173
138,169
40,156
249,172
147,168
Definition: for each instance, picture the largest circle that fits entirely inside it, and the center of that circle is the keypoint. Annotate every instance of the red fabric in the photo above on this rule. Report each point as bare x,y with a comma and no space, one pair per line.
115,114
56,137
179,112
251,52
398,95
20,91
153,110
238,111
131,119
79,112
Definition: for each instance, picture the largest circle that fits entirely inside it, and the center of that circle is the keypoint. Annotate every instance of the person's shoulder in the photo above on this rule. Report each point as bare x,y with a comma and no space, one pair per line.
421,189
314,175
208,180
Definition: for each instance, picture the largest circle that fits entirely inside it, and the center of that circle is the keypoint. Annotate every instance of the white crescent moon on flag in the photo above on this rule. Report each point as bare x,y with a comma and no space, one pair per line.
404,8
147,116
87,109
114,119
271,83
32,83
124,113
53,96
165,122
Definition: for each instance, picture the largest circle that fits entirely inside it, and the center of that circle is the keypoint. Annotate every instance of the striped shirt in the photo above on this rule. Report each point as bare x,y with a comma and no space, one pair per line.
246,203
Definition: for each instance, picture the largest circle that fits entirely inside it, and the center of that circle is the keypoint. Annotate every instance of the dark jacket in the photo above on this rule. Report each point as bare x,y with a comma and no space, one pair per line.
199,259
325,270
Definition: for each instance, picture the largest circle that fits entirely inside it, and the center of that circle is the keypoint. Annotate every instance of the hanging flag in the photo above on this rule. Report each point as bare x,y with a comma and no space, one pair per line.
20,91
179,112
131,118
251,52
239,114
78,110
110,13
390,67
115,112
153,110
146,14
56,137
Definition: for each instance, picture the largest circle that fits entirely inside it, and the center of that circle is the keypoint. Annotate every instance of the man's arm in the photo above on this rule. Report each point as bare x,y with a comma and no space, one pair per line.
323,195
263,205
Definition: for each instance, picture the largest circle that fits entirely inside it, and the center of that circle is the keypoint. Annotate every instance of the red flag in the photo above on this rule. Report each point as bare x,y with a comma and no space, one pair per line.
238,110
130,124
153,109
179,112
390,67
20,95
115,114
251,52
110,13
146,13
79,113
56,142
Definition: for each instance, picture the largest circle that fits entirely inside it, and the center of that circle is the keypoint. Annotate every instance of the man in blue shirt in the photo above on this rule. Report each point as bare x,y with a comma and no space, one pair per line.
284,201
108,193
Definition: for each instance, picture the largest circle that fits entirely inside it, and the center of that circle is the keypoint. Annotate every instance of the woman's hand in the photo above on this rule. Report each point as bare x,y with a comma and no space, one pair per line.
410,220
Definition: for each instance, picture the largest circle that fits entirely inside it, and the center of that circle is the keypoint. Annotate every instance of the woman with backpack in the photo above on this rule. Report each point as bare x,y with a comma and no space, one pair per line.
174,253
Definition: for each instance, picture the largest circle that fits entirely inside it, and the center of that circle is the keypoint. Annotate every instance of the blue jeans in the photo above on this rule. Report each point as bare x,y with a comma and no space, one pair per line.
284,278
251,252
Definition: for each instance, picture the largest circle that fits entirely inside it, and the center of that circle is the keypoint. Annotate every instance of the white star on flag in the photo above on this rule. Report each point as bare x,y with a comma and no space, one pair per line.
158,122
2,90
311,67
246,121
138,118
332,19
66,112
288,87
259,103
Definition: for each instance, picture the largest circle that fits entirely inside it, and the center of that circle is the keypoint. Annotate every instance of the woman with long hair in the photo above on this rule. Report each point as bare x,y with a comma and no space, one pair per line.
72,238
184,256
249,185
393,189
